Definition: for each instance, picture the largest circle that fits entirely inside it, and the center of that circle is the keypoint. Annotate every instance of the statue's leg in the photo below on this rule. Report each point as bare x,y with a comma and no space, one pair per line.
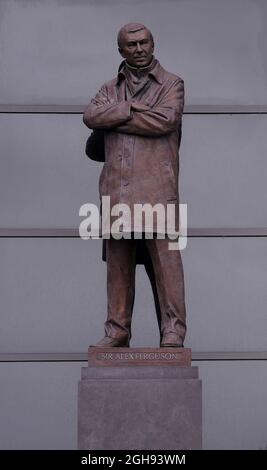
121,263
150,272
169,276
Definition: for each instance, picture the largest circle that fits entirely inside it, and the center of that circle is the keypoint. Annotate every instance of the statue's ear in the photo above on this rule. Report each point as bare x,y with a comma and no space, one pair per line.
121,51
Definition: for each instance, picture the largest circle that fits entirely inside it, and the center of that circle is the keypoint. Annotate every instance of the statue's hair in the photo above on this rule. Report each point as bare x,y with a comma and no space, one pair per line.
131,28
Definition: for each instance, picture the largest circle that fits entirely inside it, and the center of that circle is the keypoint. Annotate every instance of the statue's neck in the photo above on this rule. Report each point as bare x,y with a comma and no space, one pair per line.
140,72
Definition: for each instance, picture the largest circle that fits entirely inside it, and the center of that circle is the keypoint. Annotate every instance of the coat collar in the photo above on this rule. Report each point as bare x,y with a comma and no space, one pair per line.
156,72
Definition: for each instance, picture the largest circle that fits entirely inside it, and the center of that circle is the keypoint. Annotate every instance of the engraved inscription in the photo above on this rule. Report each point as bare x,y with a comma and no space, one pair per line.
122,356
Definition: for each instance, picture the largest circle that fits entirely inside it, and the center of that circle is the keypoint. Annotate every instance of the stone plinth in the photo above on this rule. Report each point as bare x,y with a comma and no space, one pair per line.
152,406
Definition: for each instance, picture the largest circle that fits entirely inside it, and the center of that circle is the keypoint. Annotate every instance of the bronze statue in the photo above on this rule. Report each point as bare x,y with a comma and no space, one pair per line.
139,115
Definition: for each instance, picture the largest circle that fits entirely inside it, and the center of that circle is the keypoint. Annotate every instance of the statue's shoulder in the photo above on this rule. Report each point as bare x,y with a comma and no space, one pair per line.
169,76
110,84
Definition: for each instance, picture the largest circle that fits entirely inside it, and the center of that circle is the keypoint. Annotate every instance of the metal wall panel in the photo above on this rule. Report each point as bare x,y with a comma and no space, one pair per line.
45,175
226,293
53,296
234,411
61,51
223,168
38,405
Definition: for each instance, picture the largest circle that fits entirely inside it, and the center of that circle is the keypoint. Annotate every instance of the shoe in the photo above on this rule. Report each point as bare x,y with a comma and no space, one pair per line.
171,340
108,342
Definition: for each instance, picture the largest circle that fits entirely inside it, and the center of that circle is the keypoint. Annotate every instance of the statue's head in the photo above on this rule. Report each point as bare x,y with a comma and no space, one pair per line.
136,44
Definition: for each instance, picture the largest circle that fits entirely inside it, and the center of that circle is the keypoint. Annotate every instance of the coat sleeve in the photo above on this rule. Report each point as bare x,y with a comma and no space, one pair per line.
161,119
103,114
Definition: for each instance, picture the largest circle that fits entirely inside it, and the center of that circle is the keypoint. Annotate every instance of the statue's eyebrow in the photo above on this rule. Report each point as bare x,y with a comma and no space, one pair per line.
132,43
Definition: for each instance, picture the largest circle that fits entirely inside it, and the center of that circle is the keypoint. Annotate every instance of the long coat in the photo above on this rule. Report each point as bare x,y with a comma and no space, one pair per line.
141,148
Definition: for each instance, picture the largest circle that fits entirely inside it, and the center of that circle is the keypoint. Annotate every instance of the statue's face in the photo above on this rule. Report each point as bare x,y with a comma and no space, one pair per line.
137,48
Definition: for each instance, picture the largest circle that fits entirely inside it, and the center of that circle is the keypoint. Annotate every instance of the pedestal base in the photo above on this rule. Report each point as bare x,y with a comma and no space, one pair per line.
151,407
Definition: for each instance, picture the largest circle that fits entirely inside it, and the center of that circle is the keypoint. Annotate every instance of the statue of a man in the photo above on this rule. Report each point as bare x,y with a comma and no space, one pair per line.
140,114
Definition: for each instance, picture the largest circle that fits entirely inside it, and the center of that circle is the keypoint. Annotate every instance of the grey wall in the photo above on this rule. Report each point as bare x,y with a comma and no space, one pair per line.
52,290
57,51
53,296
45,175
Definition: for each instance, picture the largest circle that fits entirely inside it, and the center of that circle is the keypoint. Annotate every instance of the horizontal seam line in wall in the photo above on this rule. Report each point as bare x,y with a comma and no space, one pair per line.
74,233
185,113
229,113
189,236
82,357
79,109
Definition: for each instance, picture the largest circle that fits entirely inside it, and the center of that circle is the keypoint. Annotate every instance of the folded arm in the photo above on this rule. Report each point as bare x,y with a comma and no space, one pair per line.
161,119
103,114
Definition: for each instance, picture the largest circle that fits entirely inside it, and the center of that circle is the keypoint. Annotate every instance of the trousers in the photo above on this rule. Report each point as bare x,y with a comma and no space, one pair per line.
165,270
